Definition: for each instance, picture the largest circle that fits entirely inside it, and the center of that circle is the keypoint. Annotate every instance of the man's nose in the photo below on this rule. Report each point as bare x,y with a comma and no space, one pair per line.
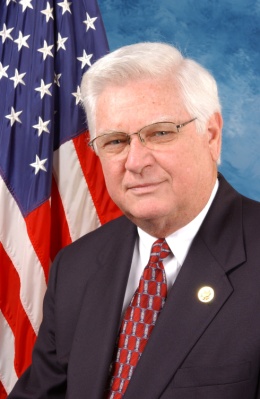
138,156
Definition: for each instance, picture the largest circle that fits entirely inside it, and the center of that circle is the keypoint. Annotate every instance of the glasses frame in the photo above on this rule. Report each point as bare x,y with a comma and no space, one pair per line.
178,127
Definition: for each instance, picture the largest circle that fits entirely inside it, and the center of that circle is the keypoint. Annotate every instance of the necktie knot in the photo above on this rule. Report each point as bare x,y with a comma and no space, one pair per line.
160,250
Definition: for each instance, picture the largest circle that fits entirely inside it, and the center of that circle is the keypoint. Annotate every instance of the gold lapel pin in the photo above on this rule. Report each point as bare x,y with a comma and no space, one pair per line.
206,294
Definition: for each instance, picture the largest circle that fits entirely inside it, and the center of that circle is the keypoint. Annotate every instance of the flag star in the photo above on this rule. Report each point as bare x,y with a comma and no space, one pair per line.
14,116
9,1
57,78
61,41
48,12
85,59
46,50
22,41
6,33
18,78
25,4
77,95
3,70
44,89
39,165
65,6
90,22
42,126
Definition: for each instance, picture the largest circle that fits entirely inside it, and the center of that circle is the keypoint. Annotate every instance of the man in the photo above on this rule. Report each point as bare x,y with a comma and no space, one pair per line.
155,122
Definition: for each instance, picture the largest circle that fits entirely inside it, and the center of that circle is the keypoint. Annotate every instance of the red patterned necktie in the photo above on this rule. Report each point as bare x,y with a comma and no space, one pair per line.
139,320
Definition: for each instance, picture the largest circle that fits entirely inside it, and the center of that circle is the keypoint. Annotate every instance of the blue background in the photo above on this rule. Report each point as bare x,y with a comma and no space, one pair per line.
222,35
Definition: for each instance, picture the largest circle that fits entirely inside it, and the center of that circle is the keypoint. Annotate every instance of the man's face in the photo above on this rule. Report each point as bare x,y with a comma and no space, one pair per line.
165,189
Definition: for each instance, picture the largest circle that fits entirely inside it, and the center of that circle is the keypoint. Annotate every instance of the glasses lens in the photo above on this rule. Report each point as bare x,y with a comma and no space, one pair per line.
111,143
159,133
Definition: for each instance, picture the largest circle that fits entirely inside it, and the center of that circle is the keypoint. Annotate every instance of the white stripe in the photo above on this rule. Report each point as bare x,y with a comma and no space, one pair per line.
8,375
15,240
78,205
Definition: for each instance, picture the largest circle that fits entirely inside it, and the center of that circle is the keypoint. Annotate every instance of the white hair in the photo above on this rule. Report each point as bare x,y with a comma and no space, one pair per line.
156,61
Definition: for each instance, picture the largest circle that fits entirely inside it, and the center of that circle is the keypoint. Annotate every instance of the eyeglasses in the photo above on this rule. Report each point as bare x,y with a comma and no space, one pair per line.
153,136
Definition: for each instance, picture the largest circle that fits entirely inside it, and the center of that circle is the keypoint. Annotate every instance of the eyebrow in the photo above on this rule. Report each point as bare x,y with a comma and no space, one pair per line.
111,132
149,124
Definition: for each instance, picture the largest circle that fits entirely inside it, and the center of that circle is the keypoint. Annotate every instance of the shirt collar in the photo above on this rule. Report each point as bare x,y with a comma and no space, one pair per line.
179,241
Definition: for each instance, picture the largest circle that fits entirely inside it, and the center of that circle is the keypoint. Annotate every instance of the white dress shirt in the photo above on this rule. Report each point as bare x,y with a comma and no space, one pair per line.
179,243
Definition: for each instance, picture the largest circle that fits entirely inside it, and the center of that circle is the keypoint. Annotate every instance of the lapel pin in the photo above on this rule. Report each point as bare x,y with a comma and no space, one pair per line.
206,294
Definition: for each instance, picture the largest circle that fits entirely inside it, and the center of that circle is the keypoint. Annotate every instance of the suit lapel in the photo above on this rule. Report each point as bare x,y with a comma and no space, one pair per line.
181,323
100,315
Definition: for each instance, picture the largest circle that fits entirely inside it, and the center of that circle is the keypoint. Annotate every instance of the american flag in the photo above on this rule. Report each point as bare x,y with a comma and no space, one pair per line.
51,185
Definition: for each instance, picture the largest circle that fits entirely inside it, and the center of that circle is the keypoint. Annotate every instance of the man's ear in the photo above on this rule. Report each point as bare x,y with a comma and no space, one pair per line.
214,131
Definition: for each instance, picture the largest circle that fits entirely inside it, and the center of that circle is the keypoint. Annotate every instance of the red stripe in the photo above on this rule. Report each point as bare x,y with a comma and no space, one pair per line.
60,235
3,393
38,228
14,313
91,167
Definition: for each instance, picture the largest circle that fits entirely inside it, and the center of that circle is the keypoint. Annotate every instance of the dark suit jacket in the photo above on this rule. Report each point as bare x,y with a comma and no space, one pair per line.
197,350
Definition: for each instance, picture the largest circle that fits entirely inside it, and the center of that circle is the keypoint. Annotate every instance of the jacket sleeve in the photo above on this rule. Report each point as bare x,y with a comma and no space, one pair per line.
46,377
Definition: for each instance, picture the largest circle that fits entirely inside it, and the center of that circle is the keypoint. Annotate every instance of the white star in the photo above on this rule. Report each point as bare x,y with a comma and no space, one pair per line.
14,116
22,41
5,33
44,89
46,50
9,1
77,95
3,71
18,78
39,165
61,41
25,4
85,59
42,126
90,22
65,6
48,12
57,78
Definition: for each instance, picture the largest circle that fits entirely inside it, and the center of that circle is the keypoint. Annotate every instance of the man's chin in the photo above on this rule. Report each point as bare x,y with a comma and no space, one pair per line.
144,216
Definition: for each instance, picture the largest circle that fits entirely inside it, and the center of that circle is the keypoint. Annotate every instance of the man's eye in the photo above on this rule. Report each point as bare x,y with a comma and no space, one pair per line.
115,141
112,142
162,133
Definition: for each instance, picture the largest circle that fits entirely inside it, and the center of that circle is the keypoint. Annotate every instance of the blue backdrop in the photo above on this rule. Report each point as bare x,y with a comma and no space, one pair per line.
224,36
